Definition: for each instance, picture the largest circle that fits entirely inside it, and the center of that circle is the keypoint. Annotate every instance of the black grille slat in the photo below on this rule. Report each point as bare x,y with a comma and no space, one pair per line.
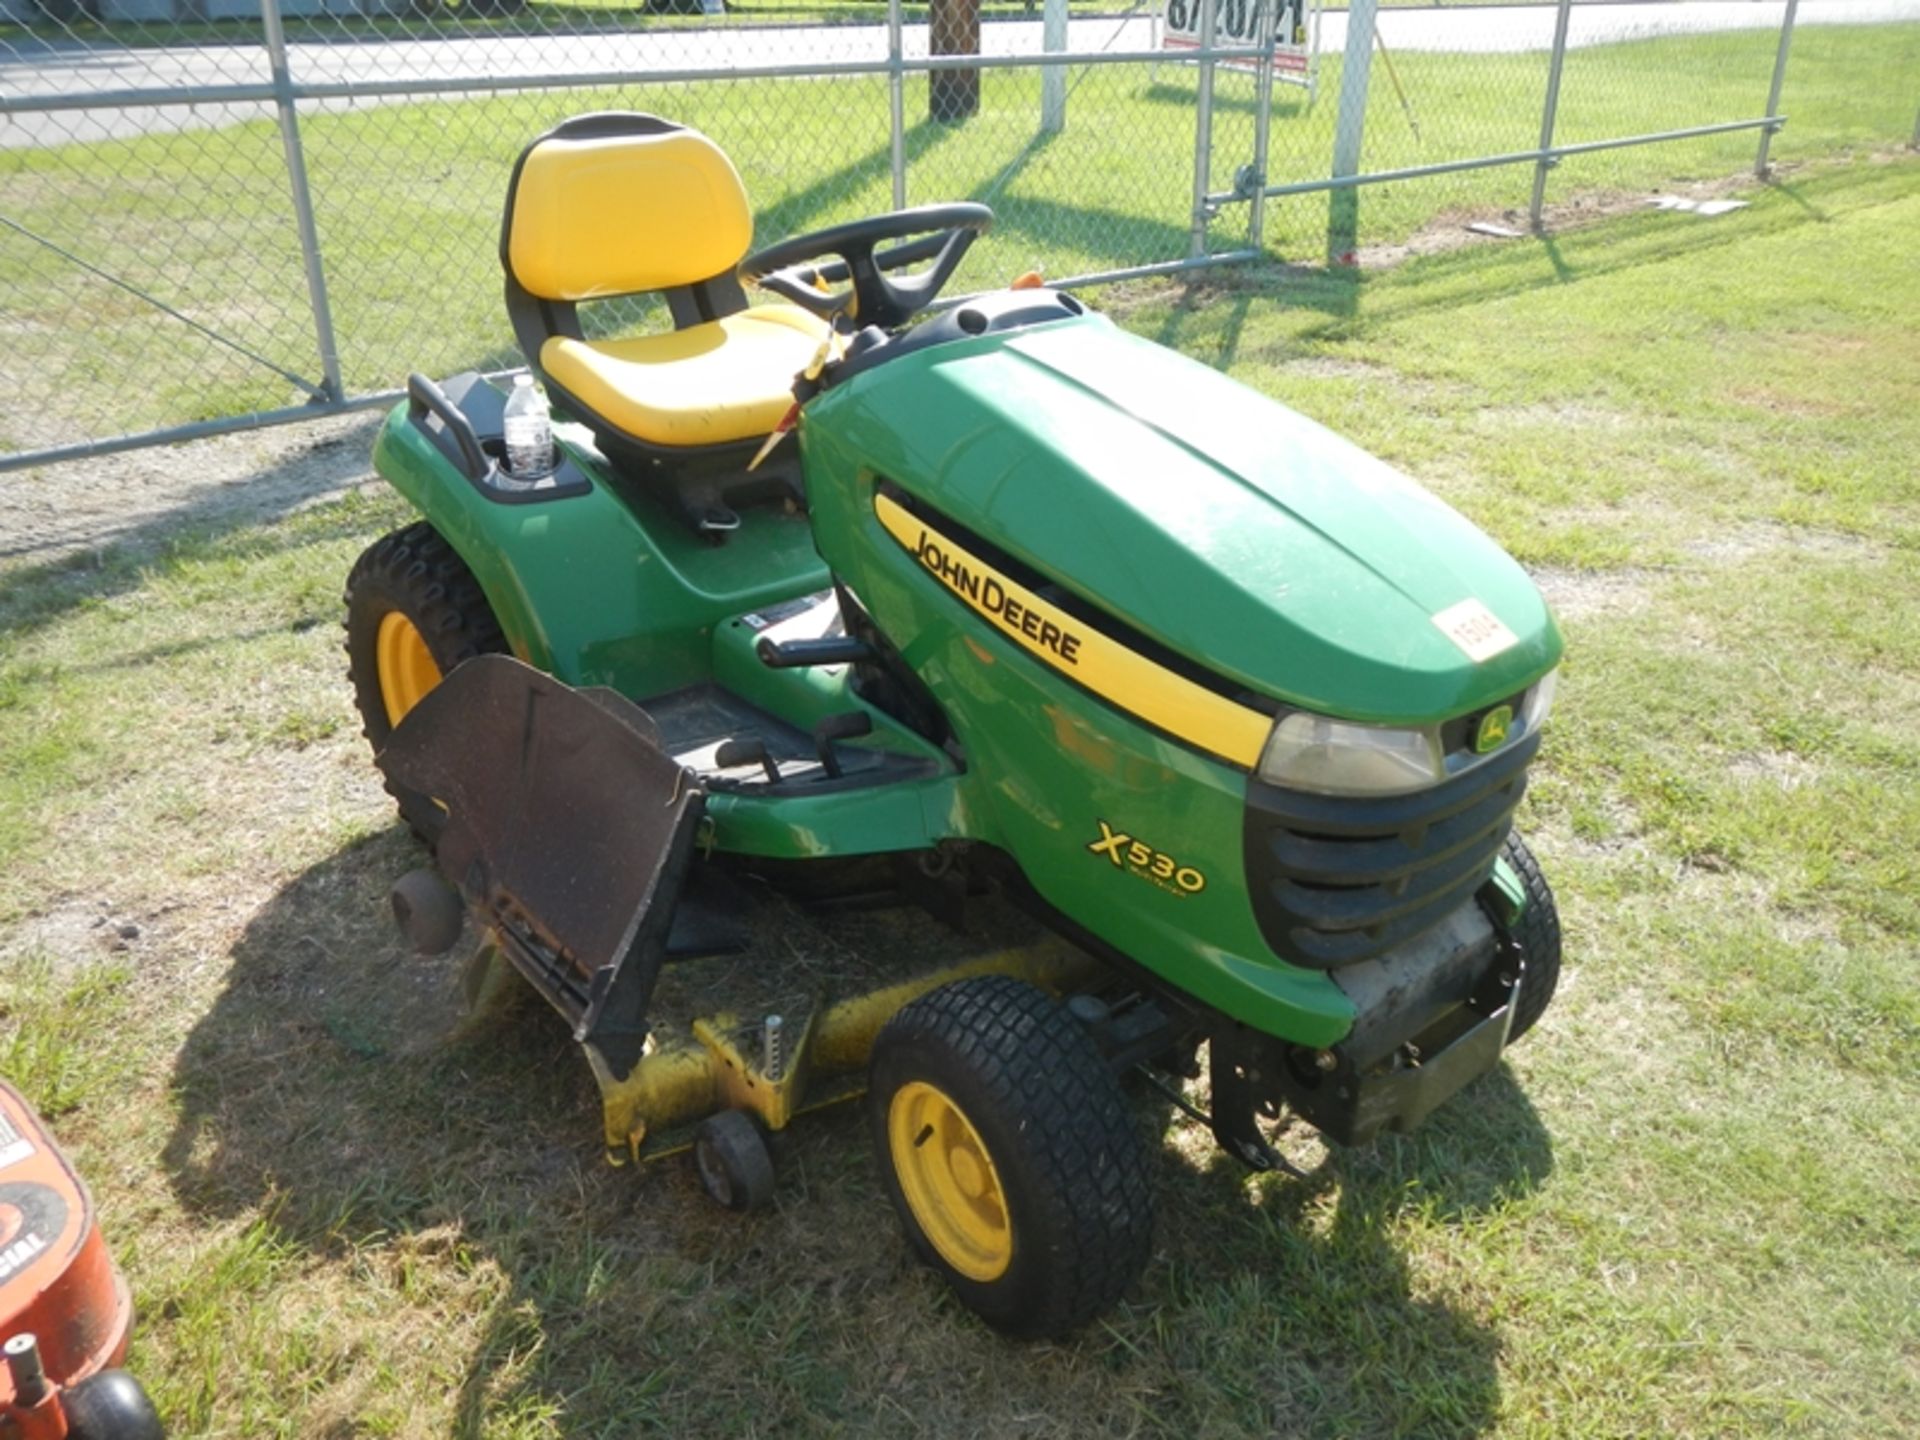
1330,949
1355,907
1337,879
1361,862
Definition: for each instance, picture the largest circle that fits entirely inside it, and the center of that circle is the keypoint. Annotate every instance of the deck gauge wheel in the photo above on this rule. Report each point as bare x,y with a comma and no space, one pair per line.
731,1158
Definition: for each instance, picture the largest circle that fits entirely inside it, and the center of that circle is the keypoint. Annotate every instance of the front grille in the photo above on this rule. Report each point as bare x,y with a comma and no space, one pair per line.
1335,879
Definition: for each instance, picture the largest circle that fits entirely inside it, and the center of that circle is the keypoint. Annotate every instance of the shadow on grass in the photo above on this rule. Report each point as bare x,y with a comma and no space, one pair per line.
800,211
1478,274
117,554
1175,95
1205,316
338,1083
1305,1283
337,1087
1797,193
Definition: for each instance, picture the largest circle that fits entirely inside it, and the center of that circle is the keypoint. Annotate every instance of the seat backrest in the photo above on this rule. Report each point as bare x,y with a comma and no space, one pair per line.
620,203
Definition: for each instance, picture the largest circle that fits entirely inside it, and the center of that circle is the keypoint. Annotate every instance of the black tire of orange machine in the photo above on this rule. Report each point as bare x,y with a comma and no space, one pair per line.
111,1405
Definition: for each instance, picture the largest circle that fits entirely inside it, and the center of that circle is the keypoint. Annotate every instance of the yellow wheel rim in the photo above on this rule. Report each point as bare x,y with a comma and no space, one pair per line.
949,1181
406,667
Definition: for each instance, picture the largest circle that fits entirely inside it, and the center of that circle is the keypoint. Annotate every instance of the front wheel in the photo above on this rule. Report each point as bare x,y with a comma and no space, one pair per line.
414,611
1009,1154
1538,935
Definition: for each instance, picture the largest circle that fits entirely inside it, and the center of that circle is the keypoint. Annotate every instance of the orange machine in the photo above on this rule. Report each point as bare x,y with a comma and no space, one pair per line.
64,1310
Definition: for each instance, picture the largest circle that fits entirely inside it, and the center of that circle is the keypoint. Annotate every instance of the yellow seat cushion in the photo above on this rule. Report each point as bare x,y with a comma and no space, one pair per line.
729,379
620,214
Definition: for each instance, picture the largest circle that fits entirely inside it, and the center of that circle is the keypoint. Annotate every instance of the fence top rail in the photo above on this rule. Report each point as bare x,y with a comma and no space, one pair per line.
158,97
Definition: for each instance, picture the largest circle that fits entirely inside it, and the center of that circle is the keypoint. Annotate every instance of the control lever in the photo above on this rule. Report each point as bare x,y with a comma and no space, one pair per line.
799,654
746,750
838,727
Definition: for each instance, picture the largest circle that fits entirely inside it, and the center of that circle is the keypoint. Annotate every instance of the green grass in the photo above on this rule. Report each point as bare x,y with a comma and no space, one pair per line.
408,197
1687,1206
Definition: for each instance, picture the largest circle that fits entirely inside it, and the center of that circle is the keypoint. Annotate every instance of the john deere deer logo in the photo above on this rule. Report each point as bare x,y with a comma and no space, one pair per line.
1494,726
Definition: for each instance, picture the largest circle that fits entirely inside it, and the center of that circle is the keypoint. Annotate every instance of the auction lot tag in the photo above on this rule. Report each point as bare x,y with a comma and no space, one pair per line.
1475,629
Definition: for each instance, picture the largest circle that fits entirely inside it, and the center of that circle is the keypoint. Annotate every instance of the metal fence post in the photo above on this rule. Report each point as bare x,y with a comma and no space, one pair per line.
1550,112
1203,131
1053,79
1760,164
1350,129
1266,36
302,201
896,105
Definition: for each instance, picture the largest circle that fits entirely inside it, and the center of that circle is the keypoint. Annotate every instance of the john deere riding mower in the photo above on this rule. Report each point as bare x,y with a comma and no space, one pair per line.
1026,615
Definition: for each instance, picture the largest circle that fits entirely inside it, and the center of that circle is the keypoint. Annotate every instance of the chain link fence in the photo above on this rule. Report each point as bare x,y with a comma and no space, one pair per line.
219,213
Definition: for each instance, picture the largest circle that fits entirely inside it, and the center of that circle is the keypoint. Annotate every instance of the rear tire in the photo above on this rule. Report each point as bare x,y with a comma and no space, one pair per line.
1009,1154
1538,935
414,611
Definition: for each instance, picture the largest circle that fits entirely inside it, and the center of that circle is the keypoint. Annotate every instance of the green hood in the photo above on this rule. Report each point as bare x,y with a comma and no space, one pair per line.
1219,522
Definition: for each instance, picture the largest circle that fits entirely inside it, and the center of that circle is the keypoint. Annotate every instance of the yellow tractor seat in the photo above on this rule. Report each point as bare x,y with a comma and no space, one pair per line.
618,204
714,382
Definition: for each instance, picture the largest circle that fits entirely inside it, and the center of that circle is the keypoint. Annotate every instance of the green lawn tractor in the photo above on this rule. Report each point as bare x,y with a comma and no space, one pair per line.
1026,617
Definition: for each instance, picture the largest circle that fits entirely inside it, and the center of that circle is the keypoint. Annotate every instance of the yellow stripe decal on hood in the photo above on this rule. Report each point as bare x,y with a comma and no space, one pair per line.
1120,676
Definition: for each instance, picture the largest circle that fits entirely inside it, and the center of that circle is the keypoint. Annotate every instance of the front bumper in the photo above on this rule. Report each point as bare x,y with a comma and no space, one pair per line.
1354,1106
1433,1017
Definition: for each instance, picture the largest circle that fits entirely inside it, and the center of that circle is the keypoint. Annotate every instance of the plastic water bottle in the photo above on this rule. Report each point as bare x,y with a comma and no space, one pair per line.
529,431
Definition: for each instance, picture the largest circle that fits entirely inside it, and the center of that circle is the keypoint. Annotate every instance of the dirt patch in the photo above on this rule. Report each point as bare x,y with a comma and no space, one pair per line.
1779,768
71,935
1590,594
1448,230
1587,594
1334,367
141,497
1785,402
1560,415
1614,832
1761,537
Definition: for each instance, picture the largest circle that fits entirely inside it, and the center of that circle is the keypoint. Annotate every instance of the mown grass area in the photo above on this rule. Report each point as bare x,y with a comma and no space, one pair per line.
1686,1206
408,197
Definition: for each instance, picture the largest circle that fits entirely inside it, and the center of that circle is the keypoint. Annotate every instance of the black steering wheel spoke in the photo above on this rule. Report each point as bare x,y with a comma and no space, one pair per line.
870,296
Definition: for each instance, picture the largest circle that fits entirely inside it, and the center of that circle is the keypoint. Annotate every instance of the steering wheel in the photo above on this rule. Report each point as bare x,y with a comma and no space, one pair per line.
873,298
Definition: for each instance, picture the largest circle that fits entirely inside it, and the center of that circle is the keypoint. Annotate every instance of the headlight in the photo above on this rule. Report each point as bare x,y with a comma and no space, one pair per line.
1338,757
1534,713
1343,757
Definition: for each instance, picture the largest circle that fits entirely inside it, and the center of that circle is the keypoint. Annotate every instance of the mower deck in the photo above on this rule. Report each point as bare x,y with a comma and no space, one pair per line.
826,976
